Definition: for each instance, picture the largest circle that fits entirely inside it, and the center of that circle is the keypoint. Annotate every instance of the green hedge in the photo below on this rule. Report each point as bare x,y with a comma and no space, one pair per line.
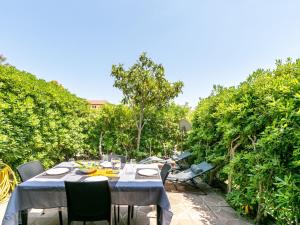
42,120
38,119
252,134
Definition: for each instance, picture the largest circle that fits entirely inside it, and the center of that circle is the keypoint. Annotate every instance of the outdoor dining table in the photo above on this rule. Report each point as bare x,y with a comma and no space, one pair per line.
42,192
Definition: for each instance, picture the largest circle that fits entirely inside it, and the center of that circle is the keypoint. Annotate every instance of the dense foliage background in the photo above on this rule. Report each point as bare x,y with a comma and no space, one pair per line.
252,134
117,125
38,119
42,120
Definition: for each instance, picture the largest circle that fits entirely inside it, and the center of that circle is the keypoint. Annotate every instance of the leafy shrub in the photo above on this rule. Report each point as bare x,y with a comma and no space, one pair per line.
251,133
38,119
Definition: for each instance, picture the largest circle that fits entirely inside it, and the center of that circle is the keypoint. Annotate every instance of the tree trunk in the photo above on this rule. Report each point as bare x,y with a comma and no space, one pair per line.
100,145
259,208
253,141
231,155
140,128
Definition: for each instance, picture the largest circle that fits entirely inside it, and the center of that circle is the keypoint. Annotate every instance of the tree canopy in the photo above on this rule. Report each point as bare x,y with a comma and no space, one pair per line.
144,86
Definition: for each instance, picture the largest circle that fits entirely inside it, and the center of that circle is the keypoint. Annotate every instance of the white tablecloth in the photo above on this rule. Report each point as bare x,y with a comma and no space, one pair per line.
42,193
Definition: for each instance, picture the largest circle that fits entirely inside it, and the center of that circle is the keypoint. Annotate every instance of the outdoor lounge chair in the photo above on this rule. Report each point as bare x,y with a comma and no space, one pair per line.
180,160
152,159
188,175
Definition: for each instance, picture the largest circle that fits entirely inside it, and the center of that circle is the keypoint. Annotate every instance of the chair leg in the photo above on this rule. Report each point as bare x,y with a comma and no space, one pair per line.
83,222
132,211
128,216
118,213
174,184
158,209
194,185
24,217
115,216
60,216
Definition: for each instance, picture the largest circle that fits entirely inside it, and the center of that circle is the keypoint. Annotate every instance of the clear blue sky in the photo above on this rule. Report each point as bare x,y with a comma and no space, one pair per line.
199,42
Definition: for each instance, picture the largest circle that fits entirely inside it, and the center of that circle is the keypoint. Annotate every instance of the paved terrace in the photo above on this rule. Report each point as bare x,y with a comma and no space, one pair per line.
190,207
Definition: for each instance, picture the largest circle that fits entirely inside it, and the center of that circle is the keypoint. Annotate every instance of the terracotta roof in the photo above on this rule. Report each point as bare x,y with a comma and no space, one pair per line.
97,102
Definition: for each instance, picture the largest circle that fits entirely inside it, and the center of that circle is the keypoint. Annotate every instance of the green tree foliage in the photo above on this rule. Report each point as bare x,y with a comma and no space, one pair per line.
252,134
144,86
115,126
42,120
39,119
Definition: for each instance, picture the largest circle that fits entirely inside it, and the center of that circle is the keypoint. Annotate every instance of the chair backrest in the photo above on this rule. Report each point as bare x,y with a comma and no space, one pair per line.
88,201
165,170
29,170
182,156
123,158
152,159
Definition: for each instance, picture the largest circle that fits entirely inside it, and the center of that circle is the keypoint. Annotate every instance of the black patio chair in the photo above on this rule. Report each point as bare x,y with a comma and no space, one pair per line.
27,171
164,173
88,201
187,176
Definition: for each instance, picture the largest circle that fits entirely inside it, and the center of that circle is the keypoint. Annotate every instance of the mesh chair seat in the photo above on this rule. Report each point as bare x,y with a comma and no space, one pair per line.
190,173
88,201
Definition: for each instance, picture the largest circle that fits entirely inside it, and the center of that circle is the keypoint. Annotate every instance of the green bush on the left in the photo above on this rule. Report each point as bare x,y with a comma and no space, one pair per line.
38,119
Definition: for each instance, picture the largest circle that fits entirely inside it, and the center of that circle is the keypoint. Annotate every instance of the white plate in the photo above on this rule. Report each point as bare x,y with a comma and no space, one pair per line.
148,172
96,178
57,171
106,164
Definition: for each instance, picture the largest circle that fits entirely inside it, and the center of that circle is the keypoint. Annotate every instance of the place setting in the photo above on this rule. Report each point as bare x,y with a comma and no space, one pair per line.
55,173
147,173
99,171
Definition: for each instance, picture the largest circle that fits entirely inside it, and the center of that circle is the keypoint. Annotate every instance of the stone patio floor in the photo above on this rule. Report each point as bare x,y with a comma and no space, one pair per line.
190,207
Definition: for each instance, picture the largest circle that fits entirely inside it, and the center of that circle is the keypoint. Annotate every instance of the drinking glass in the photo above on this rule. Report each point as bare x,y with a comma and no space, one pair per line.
133,164
116,163
72,161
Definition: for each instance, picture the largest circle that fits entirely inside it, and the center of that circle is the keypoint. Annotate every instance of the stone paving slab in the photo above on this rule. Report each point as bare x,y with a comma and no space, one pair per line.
189,208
